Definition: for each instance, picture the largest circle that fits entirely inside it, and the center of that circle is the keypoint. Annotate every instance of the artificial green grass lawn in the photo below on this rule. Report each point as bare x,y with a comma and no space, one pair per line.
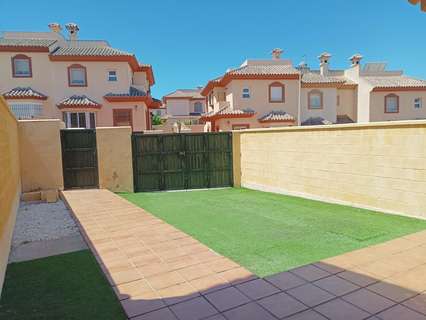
269,233
68,286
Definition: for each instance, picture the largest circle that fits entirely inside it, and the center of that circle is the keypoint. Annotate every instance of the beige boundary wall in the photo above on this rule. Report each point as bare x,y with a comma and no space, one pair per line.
41,155
114,147
379,166
10,182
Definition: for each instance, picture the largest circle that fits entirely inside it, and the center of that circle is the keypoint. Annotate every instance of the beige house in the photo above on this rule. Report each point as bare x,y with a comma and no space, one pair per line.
184,108
269,93
185,102
86,83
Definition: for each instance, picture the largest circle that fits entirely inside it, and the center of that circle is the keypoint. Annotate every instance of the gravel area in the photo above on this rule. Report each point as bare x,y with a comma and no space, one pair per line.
43,221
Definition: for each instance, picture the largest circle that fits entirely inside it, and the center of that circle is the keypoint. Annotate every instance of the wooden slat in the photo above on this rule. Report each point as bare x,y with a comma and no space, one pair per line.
79,158
182,161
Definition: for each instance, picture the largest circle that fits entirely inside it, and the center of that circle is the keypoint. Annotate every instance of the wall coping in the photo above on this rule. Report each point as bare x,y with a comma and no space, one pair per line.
109,128
349,126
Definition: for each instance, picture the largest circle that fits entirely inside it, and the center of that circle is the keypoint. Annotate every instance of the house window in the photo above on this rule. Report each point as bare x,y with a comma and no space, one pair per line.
315,99
79,120
112,75
26,110
276,92
246,93
391,103
198,107
418,103
210,99
21,66
77,76
338,100
122,117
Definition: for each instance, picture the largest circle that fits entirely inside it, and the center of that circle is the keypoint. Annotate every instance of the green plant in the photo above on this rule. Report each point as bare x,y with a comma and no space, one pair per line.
156,120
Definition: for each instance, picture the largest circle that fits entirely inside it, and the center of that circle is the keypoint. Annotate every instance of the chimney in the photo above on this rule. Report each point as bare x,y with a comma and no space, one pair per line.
276,54
73,30
55,27
355,59
324,59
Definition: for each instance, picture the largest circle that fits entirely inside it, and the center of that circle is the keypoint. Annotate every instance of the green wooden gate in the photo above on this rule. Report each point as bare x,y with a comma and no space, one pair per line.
79,158
182,161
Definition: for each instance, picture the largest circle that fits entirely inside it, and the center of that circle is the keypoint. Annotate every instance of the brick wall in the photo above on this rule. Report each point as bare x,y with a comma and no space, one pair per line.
379,166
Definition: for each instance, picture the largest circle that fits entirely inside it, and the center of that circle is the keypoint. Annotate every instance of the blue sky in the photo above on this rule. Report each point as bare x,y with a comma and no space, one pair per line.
190,42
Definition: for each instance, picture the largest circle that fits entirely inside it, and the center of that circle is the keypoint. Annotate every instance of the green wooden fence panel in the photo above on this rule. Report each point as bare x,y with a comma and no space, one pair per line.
182,161
79,158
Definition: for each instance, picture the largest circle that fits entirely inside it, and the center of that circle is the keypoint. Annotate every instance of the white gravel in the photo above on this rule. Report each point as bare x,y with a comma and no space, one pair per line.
43,221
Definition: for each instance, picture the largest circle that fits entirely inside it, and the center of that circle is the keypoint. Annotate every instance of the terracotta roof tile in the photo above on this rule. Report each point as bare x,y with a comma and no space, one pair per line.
394,81
26,42
315,121
76,101
344,118
24,93
275,69
276,115
185,93
91,51
227,111
312,77
133,92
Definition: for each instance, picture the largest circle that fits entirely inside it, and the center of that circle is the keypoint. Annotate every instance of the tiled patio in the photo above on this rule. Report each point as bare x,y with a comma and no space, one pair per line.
159,272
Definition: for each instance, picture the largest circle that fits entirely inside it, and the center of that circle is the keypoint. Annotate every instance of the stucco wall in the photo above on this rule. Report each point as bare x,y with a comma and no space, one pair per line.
51,78
10,183
406,106
348,103
328,110
178,107
115,158
227,124
259,96
41,155
381,165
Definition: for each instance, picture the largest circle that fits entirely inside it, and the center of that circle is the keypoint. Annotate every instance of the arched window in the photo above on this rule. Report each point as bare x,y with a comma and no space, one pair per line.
198,107
77,76
391,103
315,99
21,66
276,92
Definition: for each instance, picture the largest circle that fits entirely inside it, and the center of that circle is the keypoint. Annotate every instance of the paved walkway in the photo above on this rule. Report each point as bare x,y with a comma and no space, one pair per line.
159,272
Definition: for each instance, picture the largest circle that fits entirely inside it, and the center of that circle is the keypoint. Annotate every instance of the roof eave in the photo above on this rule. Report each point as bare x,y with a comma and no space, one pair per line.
126,98
78,106
7,97
399,88
229,77
272,121
227,116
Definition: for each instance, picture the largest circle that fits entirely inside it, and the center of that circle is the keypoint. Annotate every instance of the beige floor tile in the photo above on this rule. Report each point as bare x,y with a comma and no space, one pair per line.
237,275
178,293
195,271
209,283
154,269
132,289
165,280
